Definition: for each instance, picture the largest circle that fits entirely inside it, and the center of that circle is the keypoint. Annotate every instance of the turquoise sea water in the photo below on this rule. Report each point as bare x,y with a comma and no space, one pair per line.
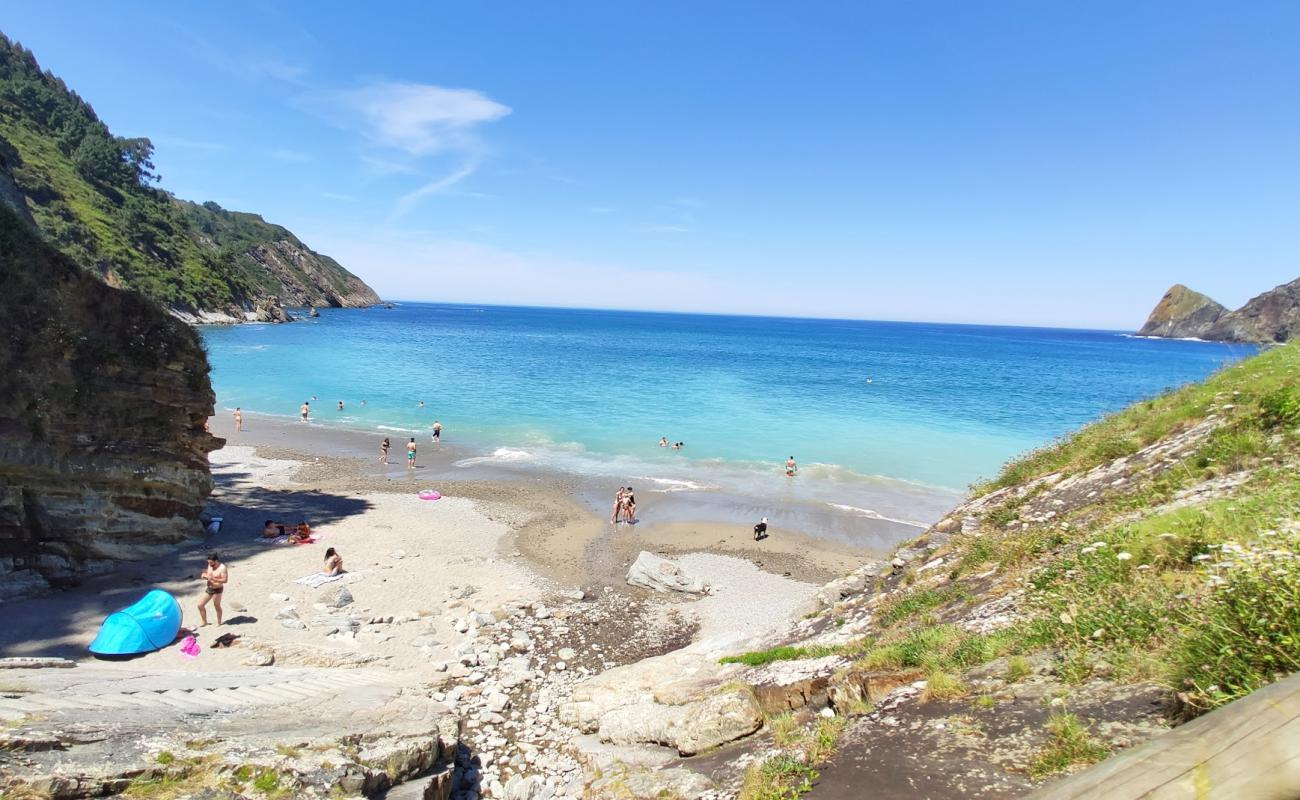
860,405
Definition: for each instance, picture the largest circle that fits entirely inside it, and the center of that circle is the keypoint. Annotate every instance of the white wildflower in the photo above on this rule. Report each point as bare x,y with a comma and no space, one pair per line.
1123,556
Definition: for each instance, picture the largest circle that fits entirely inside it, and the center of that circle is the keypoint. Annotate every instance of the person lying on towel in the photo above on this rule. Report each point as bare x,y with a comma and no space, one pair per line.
302,533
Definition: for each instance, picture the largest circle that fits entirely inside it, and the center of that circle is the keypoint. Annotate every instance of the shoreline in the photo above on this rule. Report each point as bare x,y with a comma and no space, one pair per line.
820,521
553,525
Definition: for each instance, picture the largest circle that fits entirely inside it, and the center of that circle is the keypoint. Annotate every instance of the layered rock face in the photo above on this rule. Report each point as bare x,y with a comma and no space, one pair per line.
103,453
1273,316
1182,313
311,279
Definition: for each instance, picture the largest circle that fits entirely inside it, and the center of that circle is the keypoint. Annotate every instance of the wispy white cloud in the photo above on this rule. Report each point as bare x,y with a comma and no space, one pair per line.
436,186
286,154
541,169
276,68
419,119
375,165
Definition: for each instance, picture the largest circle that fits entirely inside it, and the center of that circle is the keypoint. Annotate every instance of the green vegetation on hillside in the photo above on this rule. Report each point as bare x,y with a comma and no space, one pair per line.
1184,570
92,195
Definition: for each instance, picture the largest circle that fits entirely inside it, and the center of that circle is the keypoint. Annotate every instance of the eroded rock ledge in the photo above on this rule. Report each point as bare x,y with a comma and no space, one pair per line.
103,454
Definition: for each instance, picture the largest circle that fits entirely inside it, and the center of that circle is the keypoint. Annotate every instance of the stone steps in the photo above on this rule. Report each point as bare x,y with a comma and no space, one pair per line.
203,692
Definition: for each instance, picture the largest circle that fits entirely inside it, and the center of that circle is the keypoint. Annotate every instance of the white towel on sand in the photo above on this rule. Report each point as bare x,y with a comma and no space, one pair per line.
317,579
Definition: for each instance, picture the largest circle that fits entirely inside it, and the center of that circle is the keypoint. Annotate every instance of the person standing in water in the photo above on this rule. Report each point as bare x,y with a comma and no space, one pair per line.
410,454
383,450
239,419
790,467
340,405
437,431
663,441
304,411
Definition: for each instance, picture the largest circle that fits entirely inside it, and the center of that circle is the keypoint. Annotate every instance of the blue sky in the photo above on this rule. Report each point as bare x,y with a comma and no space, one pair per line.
1016,162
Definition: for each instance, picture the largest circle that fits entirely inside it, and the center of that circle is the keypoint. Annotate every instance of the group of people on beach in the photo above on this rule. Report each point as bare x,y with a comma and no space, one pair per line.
296,533
216,575
624,505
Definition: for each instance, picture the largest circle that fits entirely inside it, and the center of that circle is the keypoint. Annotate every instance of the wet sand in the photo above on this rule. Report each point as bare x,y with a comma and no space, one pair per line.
552,527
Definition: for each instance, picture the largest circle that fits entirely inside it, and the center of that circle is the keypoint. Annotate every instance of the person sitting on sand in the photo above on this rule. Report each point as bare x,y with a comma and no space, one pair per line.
333,563
302,533
216,576
272,530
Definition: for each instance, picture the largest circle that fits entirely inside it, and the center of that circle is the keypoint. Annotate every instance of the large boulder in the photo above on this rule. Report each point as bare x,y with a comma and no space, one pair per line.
689,727
655,572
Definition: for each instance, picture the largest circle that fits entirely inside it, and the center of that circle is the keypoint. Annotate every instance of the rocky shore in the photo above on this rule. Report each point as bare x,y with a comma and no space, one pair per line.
441,609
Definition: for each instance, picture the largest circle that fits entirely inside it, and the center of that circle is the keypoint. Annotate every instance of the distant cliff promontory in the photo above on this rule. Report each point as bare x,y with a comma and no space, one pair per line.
93,196
1273,316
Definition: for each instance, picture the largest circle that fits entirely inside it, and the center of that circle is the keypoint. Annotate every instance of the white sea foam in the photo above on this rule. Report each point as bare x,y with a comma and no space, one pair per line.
870,514
391,428
674,485
501,455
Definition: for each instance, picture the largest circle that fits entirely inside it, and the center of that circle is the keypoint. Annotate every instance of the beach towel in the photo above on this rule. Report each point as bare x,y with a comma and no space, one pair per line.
190,647
318,579
276,540
310,539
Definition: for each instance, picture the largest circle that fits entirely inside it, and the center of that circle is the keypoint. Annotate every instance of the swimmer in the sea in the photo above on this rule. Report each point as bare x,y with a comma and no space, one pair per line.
790,467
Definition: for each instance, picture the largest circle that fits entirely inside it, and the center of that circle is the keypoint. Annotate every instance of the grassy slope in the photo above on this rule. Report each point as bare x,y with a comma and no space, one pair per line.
181,254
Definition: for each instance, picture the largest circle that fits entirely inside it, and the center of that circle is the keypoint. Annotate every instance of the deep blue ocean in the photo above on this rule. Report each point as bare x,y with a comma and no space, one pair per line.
592,392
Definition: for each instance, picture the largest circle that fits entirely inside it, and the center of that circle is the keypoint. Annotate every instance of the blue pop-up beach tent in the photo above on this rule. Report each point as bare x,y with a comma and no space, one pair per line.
148,624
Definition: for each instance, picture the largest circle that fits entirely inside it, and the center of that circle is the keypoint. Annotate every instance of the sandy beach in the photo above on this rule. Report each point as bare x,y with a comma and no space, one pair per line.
429,565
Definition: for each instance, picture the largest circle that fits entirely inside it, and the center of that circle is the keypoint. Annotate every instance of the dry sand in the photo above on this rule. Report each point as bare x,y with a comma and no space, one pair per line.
427,564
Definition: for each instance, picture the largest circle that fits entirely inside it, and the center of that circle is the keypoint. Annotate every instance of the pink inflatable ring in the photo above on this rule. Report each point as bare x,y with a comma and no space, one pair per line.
429,494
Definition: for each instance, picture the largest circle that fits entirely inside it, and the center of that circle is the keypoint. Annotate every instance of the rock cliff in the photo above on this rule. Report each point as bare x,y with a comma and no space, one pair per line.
1182,313
1273,316
103,453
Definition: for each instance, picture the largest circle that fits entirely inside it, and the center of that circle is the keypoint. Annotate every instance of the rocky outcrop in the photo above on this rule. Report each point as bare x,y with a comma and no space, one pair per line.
650,571
1273,316
103,453
1182,314
308,278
